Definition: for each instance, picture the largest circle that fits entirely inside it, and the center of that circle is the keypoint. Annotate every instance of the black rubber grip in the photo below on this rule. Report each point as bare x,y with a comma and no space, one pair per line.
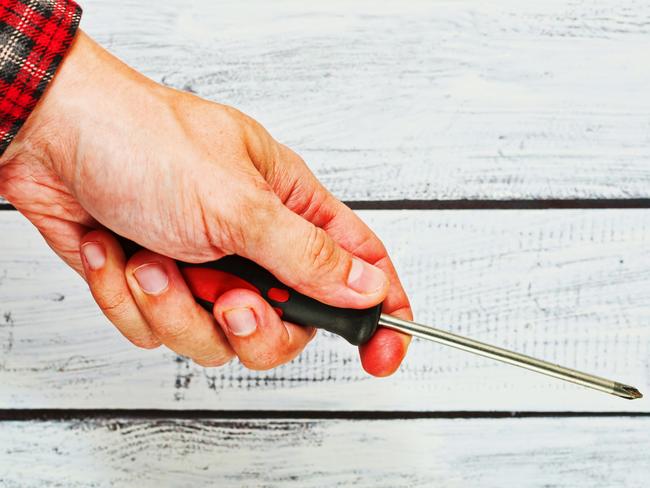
356,326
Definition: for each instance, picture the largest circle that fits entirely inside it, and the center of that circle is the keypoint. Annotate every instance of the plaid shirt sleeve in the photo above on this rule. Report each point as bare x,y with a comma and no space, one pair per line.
34,37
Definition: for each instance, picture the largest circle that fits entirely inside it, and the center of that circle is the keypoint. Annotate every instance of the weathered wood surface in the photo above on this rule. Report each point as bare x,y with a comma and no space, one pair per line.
569,286
385,100
551,452
418,99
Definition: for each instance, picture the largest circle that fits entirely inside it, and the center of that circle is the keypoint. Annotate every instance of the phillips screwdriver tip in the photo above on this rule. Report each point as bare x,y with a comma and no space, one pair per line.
626,391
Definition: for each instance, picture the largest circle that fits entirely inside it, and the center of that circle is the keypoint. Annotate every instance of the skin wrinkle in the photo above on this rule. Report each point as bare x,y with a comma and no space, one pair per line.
356,250
64,210
287,196
319,251
305,203
218,252
69,256
173,330
253,218
214,362
314,208
19,174
266,158
212,359
114,303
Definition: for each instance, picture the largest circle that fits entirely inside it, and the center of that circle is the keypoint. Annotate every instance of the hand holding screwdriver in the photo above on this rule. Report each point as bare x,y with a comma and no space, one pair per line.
192,180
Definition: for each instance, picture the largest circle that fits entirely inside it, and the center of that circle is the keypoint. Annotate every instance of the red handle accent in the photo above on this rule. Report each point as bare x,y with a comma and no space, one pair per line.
209,284
279,295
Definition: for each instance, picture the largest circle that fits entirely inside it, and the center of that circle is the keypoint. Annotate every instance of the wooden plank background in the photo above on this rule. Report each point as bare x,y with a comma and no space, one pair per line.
394,105
555,452
570,286
433,100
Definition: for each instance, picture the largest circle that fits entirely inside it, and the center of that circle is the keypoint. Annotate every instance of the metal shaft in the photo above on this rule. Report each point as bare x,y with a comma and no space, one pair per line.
510,357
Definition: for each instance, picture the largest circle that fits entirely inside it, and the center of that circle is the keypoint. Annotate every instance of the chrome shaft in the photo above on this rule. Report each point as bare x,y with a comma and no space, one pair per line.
510,357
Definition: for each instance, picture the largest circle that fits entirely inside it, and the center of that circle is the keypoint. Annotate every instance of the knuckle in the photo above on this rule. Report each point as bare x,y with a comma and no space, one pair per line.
145,342
171,331
232,113
245,122
222,231
321,252
232,122
262,361
113,304
215,361
119,310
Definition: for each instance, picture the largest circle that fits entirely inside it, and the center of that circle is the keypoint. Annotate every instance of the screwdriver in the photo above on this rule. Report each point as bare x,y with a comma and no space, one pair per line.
210,280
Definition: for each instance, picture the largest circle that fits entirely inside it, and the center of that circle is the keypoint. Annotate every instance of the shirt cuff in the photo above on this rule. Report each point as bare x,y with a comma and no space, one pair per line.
34,37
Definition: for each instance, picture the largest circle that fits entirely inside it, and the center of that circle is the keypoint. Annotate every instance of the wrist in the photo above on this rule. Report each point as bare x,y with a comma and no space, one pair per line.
83,94
47,129
32,144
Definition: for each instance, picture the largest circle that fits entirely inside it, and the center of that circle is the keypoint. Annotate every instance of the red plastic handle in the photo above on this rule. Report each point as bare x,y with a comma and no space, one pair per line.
209,284
210,280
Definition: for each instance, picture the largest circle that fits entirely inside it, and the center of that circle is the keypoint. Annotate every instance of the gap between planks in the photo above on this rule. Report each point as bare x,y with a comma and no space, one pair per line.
28,415
483,204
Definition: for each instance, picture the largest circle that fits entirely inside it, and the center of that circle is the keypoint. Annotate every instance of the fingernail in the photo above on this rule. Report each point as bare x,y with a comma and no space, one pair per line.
94,255
152,278
365,278
241,321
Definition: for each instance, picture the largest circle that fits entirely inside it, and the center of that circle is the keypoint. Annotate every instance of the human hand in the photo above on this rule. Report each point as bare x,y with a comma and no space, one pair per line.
107,150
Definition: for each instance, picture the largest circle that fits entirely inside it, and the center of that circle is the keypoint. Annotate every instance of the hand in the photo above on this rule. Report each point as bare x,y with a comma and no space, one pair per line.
187,179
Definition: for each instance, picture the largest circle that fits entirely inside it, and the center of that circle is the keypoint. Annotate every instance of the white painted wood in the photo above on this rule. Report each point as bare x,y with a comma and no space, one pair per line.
569,286
584,452
418,99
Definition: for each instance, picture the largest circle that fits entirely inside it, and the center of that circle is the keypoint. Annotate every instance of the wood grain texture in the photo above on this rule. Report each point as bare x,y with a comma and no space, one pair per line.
417,100
568,286
585,452
423,99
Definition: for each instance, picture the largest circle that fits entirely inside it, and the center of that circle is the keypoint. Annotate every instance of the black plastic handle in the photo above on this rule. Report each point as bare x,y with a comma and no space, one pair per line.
209,280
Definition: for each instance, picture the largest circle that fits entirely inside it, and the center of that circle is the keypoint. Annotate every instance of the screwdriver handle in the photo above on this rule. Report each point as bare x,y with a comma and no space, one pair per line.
208,281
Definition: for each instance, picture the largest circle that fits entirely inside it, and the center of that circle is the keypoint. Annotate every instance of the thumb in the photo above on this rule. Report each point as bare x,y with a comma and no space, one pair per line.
305,258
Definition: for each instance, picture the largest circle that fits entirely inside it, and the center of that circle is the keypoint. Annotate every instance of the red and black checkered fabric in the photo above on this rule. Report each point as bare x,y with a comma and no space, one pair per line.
34,37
